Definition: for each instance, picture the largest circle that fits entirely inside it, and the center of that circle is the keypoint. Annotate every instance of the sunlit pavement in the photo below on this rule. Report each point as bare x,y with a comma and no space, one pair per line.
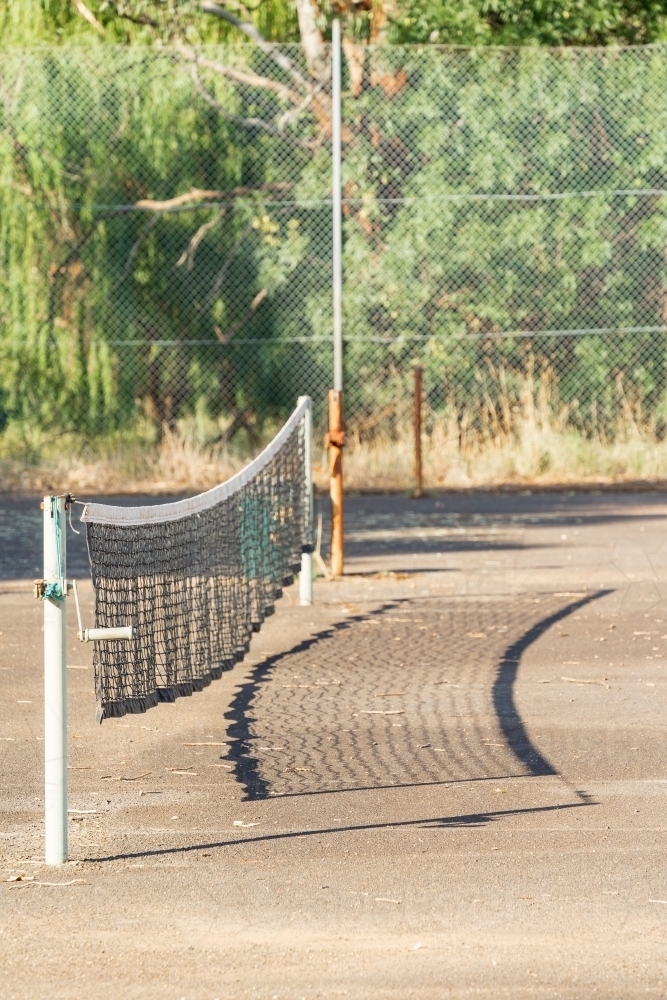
445,779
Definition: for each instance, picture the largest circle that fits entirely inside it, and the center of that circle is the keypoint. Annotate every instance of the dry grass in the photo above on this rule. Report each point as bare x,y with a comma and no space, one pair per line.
176,465
532,460
534,448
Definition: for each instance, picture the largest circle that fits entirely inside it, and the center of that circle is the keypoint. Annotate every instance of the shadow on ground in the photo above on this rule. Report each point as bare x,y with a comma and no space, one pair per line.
417,692
469,820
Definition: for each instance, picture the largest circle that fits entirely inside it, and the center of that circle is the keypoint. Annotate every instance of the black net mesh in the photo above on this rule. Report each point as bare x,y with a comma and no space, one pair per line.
194,579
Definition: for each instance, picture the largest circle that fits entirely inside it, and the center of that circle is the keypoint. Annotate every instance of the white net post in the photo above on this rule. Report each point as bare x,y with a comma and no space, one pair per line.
55,682
306,575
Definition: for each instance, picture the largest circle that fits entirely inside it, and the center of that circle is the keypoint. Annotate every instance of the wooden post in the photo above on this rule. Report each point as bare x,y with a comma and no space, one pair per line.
417,421
336,440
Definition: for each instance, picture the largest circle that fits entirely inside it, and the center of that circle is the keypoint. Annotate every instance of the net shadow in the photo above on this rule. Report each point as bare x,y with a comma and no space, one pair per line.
413,693
465,820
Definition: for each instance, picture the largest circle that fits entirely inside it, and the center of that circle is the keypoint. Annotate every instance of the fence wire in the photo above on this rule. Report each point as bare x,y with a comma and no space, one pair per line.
165,242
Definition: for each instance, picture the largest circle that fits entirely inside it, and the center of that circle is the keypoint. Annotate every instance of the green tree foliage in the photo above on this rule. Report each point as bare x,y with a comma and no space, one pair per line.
95,269
143,215
112,290
492,192
531,22
458,22
29,22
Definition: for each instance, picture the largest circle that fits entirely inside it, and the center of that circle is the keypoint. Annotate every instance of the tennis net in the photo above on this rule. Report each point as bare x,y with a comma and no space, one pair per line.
195,578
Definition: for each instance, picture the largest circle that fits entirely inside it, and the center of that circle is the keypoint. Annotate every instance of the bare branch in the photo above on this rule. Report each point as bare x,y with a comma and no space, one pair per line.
188,255
256,302
382,10
294,112
249,123
222,273
251,31
244,75
196,195
254,123
89,16
242,418
355,64
134,250
140,19
182,199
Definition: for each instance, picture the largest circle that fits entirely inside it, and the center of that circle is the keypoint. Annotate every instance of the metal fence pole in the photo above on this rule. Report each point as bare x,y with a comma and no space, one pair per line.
306,576
336,435
337,206
55,683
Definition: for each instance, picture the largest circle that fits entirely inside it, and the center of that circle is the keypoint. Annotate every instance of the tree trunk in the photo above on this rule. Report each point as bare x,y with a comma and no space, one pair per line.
311,39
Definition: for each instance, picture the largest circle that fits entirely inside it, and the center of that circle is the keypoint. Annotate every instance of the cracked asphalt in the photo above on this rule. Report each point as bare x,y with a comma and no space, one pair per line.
444,779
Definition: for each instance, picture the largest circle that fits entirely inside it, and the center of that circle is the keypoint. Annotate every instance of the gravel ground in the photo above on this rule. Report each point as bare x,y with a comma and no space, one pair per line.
445,779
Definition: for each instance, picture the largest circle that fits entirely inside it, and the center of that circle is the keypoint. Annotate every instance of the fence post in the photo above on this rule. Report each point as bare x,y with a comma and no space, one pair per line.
336,438
336,197
306,575
55,682
336,433
417,423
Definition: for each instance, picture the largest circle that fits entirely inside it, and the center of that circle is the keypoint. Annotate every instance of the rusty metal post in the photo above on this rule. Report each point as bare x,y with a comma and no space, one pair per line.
417,421
336,440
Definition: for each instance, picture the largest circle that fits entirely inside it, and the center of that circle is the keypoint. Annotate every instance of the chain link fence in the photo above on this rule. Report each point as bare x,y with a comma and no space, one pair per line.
166,268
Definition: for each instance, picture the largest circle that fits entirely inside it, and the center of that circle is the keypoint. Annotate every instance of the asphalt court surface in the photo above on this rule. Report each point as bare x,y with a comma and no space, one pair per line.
445,779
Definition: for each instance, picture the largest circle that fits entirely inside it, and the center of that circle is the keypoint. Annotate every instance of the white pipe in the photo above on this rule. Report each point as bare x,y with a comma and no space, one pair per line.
337,206
306,576
55,686
102,634
306,580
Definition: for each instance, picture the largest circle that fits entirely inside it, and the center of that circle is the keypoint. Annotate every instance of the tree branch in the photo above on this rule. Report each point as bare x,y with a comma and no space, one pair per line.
225,338
237,119
249,123
380,15
355,55
89,16
140,19
296,111
198,195
188,255
242,418
251,31
244,75
134,250
311,39
217,284
181,199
